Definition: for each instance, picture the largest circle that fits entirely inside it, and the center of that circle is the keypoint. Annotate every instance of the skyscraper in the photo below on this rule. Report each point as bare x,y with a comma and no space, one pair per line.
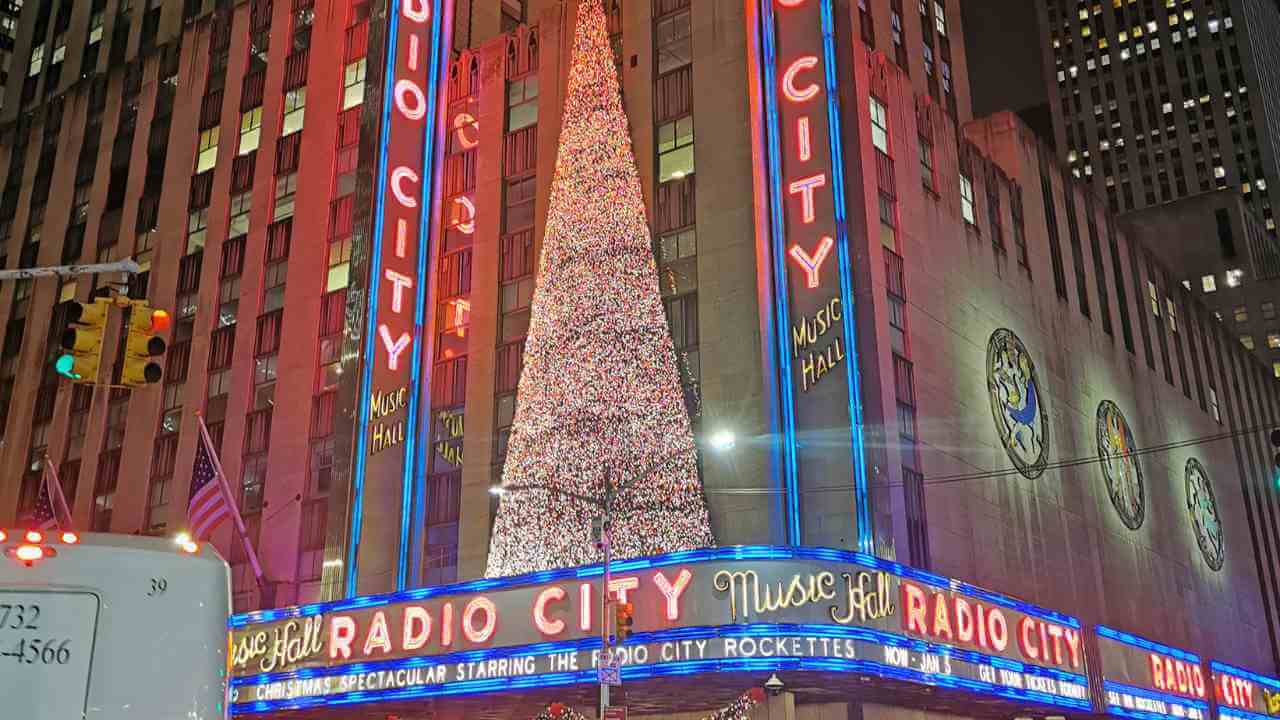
1155,100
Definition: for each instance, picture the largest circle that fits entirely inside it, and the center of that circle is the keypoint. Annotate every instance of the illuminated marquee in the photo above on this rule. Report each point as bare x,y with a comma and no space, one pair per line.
810,281
1147,680
390,381
1244,695
703,611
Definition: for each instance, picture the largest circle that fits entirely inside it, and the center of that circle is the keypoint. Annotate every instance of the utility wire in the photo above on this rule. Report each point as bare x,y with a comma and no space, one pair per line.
1005,472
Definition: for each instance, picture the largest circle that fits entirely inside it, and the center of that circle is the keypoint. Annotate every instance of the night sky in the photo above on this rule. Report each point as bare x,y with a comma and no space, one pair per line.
1004,55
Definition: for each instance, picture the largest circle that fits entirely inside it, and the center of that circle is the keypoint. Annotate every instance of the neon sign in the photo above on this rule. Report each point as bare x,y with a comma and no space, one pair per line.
407,156
698,611
1145,679
800,161
1244,695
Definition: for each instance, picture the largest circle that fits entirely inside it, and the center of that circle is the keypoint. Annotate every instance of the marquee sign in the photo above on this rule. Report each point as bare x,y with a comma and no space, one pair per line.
801,160
390,380
705,611
1244,695
1149,681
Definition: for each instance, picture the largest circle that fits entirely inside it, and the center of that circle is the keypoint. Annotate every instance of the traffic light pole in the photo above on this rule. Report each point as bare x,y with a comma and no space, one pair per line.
606,653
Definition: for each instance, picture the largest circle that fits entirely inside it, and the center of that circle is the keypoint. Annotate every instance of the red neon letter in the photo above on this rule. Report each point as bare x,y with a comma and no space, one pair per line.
398,284
804,188
378,637
621,586
446,625
402,237
964,620
403,90
1055,632
1157,671
545,625
913,609
342,630
467,210
941,618
812,263
791,3
398,176
480,604
1197,681
672,591
1073,645
997,629
394,347
1027,638
419,14
803,138
584,606
789,89
417,627
460,122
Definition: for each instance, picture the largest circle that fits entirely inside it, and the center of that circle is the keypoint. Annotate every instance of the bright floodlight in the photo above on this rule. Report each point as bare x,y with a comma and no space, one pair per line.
181,539
723,440
497,490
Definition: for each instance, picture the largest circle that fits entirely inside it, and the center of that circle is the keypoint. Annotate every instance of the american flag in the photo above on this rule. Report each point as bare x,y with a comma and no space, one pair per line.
208,505
43,516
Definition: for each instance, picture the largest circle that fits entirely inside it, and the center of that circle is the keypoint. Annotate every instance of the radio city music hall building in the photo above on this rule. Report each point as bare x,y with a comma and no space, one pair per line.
991,458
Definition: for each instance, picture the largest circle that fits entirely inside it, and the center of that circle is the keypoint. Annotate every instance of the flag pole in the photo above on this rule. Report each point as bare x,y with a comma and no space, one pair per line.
233,505
55,492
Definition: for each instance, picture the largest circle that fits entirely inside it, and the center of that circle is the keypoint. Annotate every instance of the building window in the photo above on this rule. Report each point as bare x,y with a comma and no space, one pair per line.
286,187
295,106
675,149
273,286
1275,369
197,228
926,164
37,59
1213,405
95,27
239,224
940,17
1241,314
1247,341
522,103
966,200
208,153
1171,313
879,126
1273,341
353,84
250,130
673,37
1153,296
1208,283
339,264
1268,310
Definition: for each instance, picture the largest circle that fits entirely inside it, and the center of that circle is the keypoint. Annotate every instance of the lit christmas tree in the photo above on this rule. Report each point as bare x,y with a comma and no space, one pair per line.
599,402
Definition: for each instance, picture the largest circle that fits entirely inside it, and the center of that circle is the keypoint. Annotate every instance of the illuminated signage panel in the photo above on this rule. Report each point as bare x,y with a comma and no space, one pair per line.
1148,680
1244,695
390,382
811,278
704,611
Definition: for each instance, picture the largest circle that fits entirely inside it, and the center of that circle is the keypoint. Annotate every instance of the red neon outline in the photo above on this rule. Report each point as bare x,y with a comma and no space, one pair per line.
545,625
404,87
804,188
393,347
412,614
804,138
379,636
485,633
460,124
398,176
467,226
584,606
342,631
795,95
672,591
420,15
812,264
399,283
621,586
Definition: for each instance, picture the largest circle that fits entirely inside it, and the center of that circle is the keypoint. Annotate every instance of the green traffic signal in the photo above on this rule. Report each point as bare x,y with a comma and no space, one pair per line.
65,365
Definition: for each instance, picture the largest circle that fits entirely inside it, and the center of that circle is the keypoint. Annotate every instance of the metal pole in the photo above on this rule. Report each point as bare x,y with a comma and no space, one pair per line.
606,654
121,266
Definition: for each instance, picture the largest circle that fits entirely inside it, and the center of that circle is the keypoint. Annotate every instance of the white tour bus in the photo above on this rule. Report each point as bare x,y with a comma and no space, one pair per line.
109,627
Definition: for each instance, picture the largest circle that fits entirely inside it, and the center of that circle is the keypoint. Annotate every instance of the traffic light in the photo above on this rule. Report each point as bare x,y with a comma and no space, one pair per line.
623,619
144,343
82,341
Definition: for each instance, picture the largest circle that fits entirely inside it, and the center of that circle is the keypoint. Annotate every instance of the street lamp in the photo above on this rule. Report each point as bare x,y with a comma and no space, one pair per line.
723,440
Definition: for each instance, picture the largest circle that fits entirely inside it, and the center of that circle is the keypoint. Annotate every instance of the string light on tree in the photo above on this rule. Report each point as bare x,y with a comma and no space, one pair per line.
739,709
560,711
599,399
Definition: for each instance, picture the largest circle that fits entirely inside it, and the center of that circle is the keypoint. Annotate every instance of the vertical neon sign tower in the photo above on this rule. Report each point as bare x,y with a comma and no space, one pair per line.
599,399
391,383
812,338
